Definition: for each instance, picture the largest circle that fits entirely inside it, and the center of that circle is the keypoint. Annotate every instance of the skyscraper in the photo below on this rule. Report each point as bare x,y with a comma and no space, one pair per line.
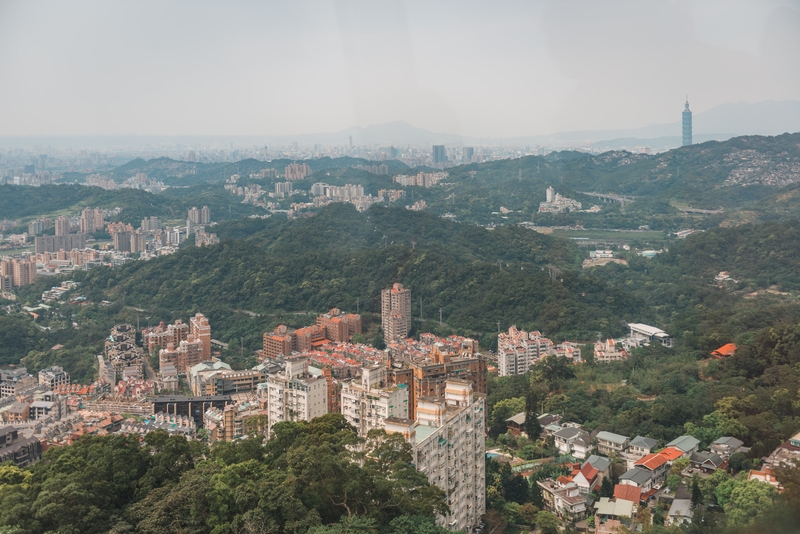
395,312
467,153
687,124
438,155
62,226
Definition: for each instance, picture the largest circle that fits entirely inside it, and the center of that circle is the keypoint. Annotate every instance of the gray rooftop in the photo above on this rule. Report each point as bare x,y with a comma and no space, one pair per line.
568,433
684,443
613,438
601,463
637,475
645,443
728,441
518,419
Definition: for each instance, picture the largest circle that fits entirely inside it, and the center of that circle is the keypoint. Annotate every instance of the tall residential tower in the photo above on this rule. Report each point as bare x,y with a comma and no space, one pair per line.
395,312
687,124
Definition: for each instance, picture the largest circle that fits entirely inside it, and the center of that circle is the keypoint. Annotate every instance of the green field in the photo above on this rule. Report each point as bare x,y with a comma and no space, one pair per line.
13,251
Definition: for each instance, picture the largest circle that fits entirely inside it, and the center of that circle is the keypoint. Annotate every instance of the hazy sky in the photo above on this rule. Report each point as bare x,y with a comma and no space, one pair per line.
480,69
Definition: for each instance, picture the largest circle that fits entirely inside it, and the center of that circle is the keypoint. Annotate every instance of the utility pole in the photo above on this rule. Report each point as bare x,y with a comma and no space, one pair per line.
241,349
440,317
498,327
358,307
420,309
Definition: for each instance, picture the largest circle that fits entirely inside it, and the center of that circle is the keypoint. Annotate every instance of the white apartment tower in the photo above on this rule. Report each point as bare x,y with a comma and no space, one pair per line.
294,395
367,404
395,312
449,447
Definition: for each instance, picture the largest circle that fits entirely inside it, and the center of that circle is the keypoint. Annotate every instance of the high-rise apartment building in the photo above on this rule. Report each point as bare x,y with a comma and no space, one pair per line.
448,445
200,216
297,171
518,351
438,155
395,312
62,225
184,355
161,335
467,153
54,243
201,330
17,272
150,224
92,220
366,404
295,395
138,242
687,124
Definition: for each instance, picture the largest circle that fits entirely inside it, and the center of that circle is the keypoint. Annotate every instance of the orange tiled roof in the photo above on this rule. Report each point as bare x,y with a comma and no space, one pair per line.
725,350
652,461
671,453
627,492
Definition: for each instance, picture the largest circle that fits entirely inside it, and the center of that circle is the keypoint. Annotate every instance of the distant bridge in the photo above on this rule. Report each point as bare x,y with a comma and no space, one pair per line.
609,197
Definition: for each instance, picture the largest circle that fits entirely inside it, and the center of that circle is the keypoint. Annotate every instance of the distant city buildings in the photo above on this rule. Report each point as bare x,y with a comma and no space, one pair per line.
297,171
422,179
438,155
380,170
200,216
395,312
16,272
555,203
334,326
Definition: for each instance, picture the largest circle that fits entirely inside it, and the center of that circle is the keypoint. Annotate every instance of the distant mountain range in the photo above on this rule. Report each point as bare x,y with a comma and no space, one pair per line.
718,123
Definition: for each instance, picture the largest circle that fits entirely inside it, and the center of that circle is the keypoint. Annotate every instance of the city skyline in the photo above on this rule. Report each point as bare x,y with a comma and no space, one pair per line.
472,70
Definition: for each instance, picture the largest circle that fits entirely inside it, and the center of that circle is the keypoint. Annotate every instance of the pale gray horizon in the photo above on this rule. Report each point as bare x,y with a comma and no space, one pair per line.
475,69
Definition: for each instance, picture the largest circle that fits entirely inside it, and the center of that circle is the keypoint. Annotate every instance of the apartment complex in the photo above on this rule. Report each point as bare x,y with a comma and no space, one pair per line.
193,407
426,365
92,220
518,351
200,216
163,335
16,272
395,312
334,326
217,378
54,243
201,330
448,441
297,171
21,451
121,353
368,403
52,377
295,395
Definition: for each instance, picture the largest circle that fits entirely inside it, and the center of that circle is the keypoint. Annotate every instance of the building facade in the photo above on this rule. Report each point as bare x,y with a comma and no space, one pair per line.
395,312
294,395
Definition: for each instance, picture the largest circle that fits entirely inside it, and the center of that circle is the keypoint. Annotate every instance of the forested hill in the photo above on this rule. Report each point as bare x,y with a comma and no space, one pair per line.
22,203
343,258
176,172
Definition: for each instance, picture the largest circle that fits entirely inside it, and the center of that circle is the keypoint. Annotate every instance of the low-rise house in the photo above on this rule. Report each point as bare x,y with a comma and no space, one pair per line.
628,492
639,477
601,463
638,448
727,447
786,452
707,462
573,441
680,512
21,451
610,443
586,478
516,423
563,498
610,515
765,474
687,444
657,465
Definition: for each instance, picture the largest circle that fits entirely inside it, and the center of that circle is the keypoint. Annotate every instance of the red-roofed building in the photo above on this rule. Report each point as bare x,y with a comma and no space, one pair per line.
671,454
628,493
724,351
657,464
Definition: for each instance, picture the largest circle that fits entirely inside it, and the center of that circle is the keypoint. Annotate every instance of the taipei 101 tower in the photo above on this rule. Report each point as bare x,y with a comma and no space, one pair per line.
687,124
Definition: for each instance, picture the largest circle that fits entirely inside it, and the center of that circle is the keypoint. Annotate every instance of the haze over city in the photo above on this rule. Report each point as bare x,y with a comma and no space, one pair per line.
464,68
